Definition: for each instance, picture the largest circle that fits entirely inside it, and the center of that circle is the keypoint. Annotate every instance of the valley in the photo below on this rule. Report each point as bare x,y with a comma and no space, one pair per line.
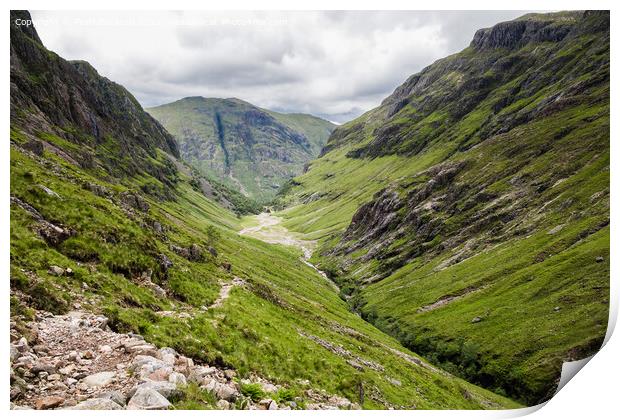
448,249
468,215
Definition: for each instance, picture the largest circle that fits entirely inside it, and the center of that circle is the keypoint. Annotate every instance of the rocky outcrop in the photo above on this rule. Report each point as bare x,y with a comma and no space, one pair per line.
427,109
518,33
50,232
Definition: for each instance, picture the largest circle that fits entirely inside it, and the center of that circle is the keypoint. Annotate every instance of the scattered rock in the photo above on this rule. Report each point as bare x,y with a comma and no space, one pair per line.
225,392
100,379
97,404
80,364
195,253
49,402
555,230
177,379
148,399
476,320
56,271
35,146
166,389
22,345
41,349
161,374
49,192
394,382
115,396
43,367
165,263
269,388
157,227
134,201
600,259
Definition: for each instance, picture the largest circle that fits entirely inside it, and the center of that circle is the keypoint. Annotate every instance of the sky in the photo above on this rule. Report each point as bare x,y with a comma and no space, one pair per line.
333,64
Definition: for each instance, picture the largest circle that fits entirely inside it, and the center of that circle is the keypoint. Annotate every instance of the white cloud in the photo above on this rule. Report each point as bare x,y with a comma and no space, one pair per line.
333,64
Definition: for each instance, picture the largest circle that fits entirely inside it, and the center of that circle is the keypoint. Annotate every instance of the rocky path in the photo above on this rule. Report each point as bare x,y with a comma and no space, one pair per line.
189,311
268,228
225,291
76,362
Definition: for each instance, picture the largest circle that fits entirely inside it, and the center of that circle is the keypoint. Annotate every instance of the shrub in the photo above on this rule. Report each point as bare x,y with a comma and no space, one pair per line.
254,391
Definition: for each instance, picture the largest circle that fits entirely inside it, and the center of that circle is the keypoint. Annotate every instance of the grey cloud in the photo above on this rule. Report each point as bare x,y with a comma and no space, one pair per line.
335,64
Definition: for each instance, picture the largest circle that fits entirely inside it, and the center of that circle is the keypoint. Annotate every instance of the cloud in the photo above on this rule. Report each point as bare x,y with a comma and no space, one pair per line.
335,64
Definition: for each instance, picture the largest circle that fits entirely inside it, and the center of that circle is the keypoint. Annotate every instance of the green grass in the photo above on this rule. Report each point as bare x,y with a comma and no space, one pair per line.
258,328
551,171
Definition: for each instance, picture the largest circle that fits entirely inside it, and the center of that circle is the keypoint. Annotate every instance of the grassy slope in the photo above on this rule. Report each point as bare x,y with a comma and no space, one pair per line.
256,330
522,339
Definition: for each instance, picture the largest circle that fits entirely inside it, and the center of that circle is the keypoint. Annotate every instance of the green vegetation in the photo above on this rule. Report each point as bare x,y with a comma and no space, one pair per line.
245,148
253,391
467,219
257,330
495,261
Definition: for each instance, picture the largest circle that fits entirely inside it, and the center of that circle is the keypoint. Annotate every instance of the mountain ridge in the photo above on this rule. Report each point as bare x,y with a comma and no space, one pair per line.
242,145
474,200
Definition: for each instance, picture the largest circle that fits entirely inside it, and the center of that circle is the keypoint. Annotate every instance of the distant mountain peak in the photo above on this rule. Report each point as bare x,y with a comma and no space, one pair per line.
252,149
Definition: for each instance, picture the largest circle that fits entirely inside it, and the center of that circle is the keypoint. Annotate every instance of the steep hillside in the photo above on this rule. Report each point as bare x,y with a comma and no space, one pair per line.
468,215
96,122
246,147
134,243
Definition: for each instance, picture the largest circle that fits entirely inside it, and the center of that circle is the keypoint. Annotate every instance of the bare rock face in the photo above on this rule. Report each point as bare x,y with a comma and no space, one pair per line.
134,201
519,32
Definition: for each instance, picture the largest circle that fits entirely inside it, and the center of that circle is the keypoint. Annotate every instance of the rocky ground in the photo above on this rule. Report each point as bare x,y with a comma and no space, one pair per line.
75,361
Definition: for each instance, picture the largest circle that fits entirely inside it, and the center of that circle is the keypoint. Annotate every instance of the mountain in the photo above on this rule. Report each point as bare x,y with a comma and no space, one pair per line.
241,145
131,285
468,214
104,125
